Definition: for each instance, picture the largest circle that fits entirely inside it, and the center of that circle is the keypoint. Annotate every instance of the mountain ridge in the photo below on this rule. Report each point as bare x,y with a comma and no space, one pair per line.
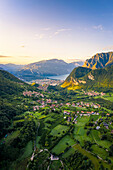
99,60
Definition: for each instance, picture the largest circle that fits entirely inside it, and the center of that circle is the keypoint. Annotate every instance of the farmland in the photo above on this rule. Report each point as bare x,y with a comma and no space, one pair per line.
54,131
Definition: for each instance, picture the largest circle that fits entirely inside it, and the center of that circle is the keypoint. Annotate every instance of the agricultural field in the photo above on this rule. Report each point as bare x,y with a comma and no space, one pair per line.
63,144
59,129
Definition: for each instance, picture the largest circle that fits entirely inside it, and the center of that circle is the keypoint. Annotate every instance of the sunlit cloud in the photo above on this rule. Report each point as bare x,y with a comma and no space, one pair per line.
39,36
46,29
26,56
22,46
98,27
61,30
3,56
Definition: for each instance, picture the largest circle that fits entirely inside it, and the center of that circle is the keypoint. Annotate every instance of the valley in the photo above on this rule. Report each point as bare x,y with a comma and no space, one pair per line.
54,124
56,85
59,129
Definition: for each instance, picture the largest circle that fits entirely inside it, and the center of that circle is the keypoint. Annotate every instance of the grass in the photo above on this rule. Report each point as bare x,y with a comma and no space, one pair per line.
94,160
108,97
36,114
81,121
61,146
94,117
11,137
47,126
59,130
68,153
96,137
99,151
42,116
55,165
80,133
37,141
49,119
27,151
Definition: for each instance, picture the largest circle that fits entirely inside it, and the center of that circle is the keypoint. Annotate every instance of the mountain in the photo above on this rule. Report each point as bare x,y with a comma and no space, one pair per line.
11,68
46,68
9,84
99,60
86,78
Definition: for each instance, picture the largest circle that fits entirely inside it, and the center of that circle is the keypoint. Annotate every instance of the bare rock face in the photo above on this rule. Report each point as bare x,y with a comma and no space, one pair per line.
91,77
99,60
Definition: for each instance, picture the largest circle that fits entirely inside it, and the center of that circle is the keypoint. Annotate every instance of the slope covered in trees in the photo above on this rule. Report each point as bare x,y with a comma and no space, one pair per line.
101,79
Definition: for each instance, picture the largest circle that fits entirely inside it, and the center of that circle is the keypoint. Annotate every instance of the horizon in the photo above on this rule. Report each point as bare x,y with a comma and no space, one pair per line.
67,61
32,31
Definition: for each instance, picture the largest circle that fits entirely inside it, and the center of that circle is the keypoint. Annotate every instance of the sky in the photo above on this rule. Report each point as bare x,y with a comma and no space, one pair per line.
34,30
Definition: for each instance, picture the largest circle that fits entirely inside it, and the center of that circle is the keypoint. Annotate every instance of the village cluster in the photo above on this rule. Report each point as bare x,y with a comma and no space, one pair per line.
82,108
93,93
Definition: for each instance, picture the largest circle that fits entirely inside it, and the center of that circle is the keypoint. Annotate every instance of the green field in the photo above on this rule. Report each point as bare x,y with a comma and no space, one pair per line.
68,153
27,151
81,121
61,146
59,130
96,136
99,151
108,97
37,141
94,160
80,133
55,165
11,137
94,117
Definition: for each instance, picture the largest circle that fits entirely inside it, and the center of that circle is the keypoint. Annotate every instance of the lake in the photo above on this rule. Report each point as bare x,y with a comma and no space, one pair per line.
60,77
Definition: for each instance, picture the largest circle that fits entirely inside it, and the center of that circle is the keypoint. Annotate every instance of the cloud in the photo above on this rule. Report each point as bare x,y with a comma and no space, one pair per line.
46,29
39,36
108,48
25,56
98,27
3,56
22,46
61,30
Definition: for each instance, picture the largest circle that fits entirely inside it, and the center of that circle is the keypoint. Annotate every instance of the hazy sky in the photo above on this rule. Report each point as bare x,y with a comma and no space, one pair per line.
33,30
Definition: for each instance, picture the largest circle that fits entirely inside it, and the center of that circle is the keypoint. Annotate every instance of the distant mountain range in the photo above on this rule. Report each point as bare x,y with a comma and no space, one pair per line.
12,68
99,60
46,68
41,69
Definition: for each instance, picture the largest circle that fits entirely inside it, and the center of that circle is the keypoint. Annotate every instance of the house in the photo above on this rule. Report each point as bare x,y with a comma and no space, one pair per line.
65,111
68,104
69,119
98,127
53,158
106,125
73,104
